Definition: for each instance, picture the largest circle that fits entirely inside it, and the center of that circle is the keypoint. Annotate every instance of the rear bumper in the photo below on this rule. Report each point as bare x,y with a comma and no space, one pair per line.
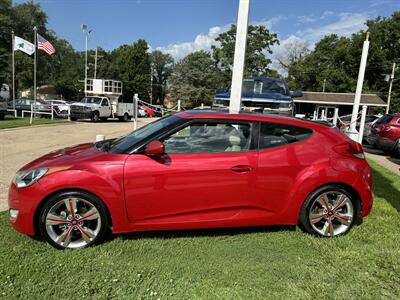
363,185
380,142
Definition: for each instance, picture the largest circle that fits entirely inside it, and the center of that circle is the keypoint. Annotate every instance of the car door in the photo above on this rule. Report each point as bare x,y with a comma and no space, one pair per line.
105,109
203,179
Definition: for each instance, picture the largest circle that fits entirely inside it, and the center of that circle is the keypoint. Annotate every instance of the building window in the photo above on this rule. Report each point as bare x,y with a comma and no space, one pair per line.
89,85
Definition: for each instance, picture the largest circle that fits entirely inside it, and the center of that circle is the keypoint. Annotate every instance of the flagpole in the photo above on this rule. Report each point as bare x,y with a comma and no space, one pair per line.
34,67
13,69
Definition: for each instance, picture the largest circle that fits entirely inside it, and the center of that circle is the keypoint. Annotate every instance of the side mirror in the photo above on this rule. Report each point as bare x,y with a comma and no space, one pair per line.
154,148
296,94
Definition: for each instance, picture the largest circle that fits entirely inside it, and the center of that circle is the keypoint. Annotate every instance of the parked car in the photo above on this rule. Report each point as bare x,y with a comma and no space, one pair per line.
344,121
149,112
60,107
141,112
195,169
385,134
26,105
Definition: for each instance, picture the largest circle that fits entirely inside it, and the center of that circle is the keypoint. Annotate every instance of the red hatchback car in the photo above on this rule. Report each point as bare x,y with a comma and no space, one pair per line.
196,169
385,134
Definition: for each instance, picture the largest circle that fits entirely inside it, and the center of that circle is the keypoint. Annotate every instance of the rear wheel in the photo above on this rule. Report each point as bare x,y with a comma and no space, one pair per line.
329,211
396,149
73,118
103,119
73,220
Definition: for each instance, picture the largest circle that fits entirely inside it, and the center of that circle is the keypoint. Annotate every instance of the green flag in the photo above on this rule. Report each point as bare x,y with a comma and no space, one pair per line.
23,45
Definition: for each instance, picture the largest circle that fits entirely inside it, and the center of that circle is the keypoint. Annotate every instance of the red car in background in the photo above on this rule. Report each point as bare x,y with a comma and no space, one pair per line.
150,113
196,169
385,134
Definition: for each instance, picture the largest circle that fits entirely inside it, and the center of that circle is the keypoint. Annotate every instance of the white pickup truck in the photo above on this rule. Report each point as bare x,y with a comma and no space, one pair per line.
101,108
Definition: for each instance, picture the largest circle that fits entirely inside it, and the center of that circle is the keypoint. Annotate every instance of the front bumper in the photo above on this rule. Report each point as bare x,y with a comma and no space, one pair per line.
81,114
25,200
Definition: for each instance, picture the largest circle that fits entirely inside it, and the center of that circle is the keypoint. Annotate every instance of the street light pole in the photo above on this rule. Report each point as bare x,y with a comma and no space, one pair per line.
239,57
390,88
352,132
86,33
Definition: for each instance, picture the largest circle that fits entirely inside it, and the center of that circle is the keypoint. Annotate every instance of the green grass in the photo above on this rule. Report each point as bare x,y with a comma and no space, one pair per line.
216,264
11,122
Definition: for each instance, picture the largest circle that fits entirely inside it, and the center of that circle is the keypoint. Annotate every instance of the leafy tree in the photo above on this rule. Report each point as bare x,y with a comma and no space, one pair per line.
193,79
161,64
133,64
259,43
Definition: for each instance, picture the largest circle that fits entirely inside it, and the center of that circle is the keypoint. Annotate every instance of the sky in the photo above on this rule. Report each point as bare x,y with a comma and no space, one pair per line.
182,26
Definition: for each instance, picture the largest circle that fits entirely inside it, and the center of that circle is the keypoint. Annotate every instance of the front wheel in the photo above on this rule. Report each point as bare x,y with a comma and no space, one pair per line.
73,220
95,116
329,211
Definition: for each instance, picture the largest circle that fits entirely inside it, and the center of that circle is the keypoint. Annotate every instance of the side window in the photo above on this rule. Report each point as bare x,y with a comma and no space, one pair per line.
206,137
276,134
104,102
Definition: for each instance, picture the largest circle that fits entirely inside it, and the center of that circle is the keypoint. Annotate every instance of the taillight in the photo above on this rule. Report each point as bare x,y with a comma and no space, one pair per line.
351,149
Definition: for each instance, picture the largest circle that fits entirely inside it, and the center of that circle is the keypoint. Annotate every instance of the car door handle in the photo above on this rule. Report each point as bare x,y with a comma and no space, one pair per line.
241,168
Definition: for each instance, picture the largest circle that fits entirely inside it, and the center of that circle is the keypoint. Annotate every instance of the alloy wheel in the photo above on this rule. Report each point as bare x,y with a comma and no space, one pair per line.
73,222
331,213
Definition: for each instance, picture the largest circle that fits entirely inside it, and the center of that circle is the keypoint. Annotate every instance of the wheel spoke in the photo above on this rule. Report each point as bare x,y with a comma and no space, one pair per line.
323,202
91,214
339,202
316,217
70,204
344,219
87,234
65,238
53,219
328,228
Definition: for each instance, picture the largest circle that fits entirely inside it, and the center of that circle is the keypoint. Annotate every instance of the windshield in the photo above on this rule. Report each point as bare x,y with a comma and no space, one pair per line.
264,86
91,100
125,143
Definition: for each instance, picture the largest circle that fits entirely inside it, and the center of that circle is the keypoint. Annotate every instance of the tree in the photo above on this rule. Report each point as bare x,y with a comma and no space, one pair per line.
133,64
194,79
259,43
161,64
295,50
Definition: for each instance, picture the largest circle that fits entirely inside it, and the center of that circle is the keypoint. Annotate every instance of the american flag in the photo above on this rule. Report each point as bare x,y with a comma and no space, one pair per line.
45,45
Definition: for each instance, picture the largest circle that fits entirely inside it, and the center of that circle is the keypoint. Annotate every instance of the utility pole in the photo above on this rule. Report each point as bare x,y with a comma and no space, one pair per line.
323,86
352,132
391,79
96,57
239,57
13,68
34,67
86,33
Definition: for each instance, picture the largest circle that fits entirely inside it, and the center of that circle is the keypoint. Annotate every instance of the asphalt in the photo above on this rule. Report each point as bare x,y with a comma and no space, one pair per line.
390,163
19,146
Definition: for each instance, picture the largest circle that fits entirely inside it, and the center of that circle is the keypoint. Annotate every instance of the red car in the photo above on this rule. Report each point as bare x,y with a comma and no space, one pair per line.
385,134
150,113
196,169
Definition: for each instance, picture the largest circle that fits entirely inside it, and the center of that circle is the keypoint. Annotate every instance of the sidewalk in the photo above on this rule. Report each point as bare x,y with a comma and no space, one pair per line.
390,163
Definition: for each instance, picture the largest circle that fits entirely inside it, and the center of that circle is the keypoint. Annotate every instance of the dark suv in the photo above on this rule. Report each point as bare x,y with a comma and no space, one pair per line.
385,134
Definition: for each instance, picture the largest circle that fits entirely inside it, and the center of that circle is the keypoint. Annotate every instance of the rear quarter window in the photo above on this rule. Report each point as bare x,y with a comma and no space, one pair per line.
276,134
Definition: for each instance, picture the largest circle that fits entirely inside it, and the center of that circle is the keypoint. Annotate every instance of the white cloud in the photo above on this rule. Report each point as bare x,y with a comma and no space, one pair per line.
201,42
375,3
346,24
205,41
306,19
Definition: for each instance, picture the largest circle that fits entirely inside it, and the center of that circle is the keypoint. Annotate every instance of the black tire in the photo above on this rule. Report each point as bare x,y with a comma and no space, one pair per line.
396,149
95,116
93,200
304,217
1,116
73,118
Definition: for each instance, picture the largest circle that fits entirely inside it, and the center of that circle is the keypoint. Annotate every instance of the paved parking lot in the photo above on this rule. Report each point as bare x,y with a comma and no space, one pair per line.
393,164
21,145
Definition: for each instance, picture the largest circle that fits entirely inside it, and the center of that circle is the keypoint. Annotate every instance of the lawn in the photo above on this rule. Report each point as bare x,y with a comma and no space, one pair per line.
11,122
216,264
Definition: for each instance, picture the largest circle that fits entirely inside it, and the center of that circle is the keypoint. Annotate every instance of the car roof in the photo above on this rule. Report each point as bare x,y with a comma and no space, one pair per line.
212,114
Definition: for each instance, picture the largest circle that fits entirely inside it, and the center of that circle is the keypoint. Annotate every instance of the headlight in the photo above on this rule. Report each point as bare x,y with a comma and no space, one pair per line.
28,177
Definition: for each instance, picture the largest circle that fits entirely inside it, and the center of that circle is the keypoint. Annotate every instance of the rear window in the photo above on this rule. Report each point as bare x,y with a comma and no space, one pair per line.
275,134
